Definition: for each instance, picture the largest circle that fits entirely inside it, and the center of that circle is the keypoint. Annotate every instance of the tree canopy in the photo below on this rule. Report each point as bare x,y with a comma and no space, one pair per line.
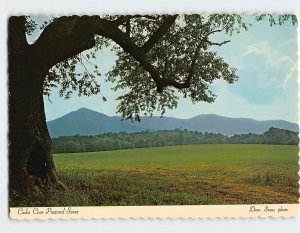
156,54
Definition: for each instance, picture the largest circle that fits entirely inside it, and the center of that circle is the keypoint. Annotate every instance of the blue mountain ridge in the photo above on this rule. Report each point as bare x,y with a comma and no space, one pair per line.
88,122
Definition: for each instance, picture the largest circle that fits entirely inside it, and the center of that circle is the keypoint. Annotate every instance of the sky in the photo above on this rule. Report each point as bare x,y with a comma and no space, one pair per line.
266,58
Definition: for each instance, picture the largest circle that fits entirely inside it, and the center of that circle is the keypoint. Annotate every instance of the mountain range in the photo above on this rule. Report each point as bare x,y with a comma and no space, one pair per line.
88,122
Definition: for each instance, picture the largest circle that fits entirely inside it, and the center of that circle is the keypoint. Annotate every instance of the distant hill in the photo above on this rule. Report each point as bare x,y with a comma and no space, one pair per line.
87,122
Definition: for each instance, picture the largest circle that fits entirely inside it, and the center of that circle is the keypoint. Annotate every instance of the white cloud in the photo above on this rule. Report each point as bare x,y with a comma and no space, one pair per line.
264,50
273,59
287,42
231,104
290,75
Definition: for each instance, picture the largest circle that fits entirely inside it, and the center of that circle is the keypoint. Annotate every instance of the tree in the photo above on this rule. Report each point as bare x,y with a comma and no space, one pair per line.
156,55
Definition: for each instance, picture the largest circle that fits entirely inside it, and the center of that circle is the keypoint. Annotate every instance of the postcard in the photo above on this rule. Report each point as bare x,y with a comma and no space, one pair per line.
153,116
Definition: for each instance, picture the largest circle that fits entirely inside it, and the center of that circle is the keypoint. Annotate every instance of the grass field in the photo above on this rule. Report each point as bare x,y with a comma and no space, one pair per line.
179,175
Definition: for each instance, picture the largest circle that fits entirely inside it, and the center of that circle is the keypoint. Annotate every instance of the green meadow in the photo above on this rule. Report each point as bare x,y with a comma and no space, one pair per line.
178,175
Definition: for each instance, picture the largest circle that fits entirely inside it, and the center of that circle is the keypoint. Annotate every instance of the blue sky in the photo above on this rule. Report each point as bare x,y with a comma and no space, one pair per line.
266,58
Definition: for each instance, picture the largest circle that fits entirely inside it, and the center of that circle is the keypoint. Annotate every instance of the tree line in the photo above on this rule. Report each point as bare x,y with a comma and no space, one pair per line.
123,140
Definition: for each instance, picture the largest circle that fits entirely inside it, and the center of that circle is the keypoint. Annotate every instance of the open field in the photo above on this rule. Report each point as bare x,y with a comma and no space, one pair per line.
179,175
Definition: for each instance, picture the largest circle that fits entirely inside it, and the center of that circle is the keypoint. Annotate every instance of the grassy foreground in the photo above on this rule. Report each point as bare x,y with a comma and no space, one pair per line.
178,175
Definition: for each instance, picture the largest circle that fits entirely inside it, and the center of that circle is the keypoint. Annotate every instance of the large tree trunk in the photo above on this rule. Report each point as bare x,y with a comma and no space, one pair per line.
30,143
30,158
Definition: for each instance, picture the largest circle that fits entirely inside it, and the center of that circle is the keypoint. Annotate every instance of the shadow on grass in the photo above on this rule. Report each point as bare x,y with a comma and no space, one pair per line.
91,187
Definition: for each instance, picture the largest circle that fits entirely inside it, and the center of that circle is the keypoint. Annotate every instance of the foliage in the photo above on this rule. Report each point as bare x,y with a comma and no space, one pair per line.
118,141
279,20
69,77
182,55
177,59
30,25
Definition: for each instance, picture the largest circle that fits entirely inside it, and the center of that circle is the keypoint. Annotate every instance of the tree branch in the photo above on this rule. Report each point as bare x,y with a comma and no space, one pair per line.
68,36
63,38
128,28
217,30
186,83
123,18
160,32
218,44
139,53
